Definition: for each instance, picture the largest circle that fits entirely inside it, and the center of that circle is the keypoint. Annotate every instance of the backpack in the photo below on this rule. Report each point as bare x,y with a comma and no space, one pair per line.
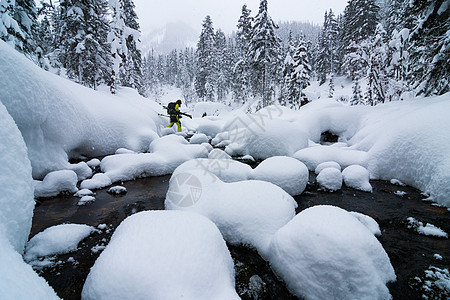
171,108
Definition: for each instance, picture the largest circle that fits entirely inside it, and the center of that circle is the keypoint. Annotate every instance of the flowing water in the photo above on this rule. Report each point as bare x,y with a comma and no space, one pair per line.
411,254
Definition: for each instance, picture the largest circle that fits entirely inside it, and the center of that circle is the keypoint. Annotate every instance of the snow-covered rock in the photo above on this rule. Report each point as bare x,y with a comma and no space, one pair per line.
286,172
326,253
98,181
199,138
226,170
368,221
427,229
82,169
246,212
163,255
57,239
16,183
312,157
218,154
330,179
167,153
263,137
17,278
327,164
117,190
357,177
56,182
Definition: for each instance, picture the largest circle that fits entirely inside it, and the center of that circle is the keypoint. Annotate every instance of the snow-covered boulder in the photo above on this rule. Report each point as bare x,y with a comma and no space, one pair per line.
326,253
82,169
98,181
246,212
357,177
368,221
59,118
56,182
16,184
330,179
167,153
57,239
312,157
264,139
327,164
218,154
226,170
17,278
286,172
199,138
163,255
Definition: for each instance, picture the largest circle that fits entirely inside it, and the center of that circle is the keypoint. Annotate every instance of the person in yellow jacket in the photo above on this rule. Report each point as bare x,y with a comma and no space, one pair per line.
173,110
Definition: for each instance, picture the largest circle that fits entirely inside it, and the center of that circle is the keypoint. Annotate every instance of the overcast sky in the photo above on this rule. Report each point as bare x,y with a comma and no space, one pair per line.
154,14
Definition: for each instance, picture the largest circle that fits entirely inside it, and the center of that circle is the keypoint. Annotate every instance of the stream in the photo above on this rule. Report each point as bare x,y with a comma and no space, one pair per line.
411,254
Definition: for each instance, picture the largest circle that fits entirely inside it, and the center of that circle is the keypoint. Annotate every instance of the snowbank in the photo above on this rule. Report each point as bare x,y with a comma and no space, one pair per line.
16,184
61,119
17,279
326,253
246,212
163,255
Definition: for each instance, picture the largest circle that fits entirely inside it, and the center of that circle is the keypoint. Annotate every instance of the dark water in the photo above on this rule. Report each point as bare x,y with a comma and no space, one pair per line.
410,253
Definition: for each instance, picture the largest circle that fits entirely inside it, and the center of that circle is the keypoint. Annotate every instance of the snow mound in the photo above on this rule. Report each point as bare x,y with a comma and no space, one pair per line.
218,154
57,239
199,138
56,182
327,164
262,137
286,172
324,244
16,184
17,279
167,153
330,179
60,119
163,255
417,152
312,157
98,181
226,170
246,212
357,177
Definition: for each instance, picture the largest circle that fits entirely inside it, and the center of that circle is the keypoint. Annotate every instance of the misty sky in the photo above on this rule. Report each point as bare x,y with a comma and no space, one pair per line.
154,14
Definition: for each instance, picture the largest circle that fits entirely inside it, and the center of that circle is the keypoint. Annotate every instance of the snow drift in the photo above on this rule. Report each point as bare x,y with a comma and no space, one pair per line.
60,119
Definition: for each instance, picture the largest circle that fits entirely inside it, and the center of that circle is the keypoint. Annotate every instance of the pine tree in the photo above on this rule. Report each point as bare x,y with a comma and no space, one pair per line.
264,53
222,65
241,69
360,20
84,51
300,76
204,80
430,50
18,24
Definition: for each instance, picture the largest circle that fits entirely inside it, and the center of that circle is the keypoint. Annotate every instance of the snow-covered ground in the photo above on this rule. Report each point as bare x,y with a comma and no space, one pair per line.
46,120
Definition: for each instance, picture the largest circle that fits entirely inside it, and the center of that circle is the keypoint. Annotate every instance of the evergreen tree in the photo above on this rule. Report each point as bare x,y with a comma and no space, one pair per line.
360,20
204,79
430,47
300,76
264,53
222,65
241,69
84,51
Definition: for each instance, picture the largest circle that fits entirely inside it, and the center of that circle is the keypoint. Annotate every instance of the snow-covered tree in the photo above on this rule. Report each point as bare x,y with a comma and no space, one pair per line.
204,80
18,24
300,76
264,53
222,65
430,47
83,48
241,68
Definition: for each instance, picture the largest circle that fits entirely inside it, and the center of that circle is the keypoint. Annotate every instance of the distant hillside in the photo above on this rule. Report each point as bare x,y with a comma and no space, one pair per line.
165,39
